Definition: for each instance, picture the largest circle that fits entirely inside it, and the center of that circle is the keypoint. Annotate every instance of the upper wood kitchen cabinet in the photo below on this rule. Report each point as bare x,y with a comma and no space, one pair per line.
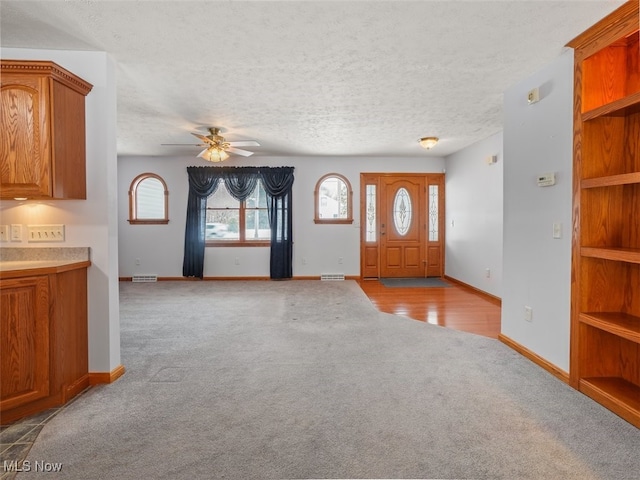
42,134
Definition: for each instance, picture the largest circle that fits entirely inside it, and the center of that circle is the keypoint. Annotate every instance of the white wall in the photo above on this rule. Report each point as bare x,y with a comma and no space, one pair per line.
538,138
91,222
474,215
319,246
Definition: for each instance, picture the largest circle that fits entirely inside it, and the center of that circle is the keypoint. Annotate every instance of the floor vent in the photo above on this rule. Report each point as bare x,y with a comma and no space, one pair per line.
332,276
144,278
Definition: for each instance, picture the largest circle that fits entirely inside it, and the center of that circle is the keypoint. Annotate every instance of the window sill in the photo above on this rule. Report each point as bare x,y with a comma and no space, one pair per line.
234,243
148,222
333,220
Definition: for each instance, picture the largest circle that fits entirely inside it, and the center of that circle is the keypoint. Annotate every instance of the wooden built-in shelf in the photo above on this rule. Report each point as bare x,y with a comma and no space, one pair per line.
605,265
629,255
618,108
616,394
611,180
617,323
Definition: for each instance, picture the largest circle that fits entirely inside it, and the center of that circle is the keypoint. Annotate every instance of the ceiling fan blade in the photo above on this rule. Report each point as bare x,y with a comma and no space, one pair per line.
183,144
238,151
201,154
244,143
201,137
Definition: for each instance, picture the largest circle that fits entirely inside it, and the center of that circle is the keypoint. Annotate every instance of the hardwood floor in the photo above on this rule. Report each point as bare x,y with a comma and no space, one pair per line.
457,307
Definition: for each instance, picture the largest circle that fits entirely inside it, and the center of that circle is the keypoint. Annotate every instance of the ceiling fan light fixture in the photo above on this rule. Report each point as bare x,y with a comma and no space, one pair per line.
214,154
428,142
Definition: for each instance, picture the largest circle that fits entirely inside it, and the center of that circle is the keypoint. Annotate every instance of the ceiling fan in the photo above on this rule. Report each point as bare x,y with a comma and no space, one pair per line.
217,148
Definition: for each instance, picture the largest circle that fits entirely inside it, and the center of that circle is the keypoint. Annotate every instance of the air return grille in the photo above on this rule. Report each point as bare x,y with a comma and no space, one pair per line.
332,276
144,278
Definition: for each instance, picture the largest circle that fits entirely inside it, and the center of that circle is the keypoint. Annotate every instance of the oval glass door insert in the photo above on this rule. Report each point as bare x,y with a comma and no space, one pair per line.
402,211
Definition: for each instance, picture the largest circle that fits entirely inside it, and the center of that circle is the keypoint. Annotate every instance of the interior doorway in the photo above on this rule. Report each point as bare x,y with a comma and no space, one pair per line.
402,225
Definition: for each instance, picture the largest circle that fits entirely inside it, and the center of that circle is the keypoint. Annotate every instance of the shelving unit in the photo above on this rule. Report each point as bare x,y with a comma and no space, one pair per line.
605,303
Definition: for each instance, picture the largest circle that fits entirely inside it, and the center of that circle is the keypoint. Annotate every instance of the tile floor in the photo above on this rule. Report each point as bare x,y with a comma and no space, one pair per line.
16,441
17,438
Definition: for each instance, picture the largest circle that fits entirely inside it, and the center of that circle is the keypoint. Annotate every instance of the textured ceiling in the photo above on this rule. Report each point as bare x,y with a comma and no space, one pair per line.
308,78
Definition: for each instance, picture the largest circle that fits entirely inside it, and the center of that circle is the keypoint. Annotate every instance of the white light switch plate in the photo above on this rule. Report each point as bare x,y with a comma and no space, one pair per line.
16,232
45,233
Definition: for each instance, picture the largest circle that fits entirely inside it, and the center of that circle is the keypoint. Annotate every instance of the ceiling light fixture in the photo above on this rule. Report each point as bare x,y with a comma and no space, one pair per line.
214,154
428,142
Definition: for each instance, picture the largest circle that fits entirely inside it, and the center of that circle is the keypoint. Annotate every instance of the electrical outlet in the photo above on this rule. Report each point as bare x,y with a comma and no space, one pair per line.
237,261
487,273
528,314
16,232
340,260
137,261
45,233
4,233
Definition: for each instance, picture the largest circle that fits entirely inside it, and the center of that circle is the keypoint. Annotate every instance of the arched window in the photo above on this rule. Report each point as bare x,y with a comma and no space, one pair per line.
148,200
333,200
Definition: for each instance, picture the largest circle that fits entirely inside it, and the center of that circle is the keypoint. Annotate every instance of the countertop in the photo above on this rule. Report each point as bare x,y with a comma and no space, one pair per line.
21,262
29,264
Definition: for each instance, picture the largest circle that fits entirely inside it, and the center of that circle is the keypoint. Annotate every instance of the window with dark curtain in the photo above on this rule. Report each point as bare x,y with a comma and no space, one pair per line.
240,181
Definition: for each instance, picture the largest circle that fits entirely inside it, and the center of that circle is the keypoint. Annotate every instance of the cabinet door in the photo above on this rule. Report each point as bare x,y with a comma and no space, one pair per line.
25,145
24,341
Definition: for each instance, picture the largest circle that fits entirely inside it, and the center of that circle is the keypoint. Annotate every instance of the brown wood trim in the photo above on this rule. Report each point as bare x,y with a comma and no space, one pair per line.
616,394
75,388
174,279
574,370
235,278
400,174
535,358
335,221
133,204
492,298
318,277
148,222
237,243
618,23
192,279
97,378
369,269
316,193
10,416
40,67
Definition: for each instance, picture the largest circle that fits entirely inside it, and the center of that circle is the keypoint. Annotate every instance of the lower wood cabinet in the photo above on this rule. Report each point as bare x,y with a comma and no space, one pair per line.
43,340
24,323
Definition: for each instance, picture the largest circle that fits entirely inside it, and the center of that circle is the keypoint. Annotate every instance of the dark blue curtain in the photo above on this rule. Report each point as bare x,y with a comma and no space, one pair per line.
203,181
278,184
240,181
